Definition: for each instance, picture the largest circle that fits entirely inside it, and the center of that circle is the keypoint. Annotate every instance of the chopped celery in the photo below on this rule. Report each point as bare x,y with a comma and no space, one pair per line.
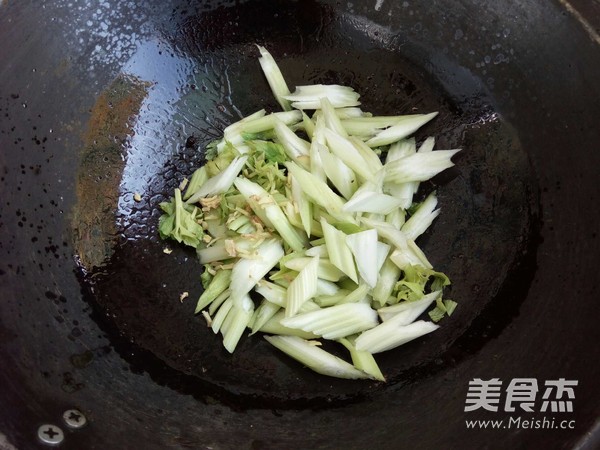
336,321
309,97
362,360
218,284
419,167
312,217
364,248
422,218
405,127
338,250
303,287
274,77
317,359
389,335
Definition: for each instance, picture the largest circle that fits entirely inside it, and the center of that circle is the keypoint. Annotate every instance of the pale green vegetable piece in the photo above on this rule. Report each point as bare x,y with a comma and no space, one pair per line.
309,97
338,250
274,77
218,285
246,273
317,359
347,152
320,193
259,199
336,321
422,218
219,183
363,246
406,312
389,335
419,167
302,288
405,127
362,360
340,175
240,314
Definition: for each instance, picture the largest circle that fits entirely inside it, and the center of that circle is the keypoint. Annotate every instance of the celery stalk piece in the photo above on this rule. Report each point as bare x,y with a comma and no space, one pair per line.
308,125
419,167
263,314
410,254
390,335
363,246
388,276
358,295
212,254
407,312
415,251
268,122
318,139
327,271
396,218
259,199
372,202
332,121
274,78
362,360
329,300
320,193
386,231
427,145
219,183
246,273
315,358
422,218
402,191
272,292
347,152
235,128
296,148
218,284
350,112
217,302
341,176
368,154
325,287
383,251
336,321
240,317
227,249
273,326
309,97
339,252
317,250
401,149
303,204
369,126
405,127
227,322
221,315
199,177
302,288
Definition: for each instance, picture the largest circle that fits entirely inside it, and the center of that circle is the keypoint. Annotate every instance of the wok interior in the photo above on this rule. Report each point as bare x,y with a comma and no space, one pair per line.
517,84
218,80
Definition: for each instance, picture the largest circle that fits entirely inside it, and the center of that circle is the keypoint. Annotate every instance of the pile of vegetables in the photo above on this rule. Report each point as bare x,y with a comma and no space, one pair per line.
305,223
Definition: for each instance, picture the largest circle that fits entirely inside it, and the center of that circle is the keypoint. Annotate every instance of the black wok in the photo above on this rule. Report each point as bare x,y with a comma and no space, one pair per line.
101,100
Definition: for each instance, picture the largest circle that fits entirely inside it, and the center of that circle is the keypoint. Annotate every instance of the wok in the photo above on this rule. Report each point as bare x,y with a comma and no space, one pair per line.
100,100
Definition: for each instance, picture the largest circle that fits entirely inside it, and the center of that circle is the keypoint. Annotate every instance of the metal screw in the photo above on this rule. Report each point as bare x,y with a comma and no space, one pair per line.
74,418
50,434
